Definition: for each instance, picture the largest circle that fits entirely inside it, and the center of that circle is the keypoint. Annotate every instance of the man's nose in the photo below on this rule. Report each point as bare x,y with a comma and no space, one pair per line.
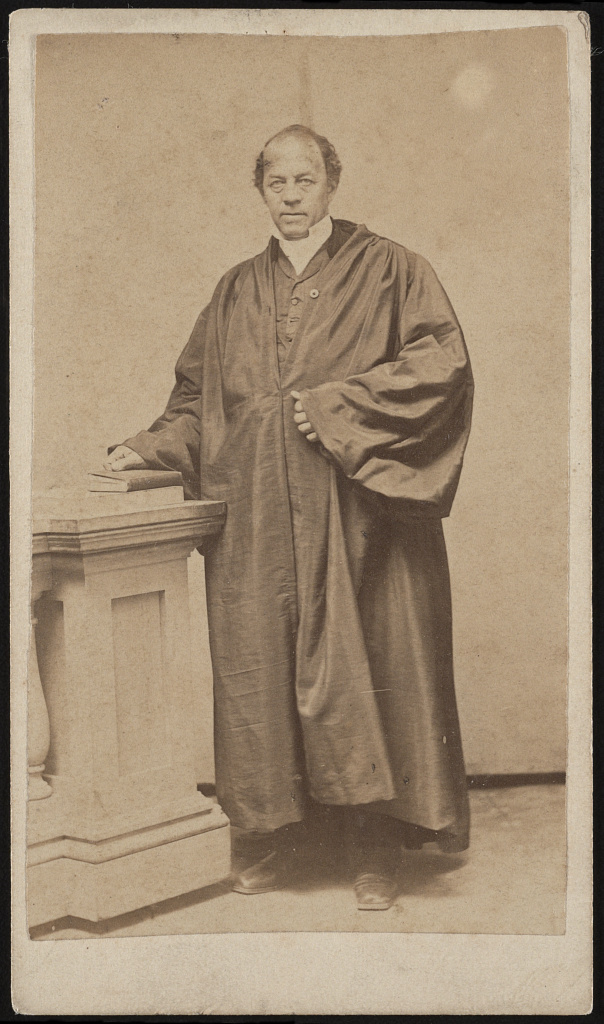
292,196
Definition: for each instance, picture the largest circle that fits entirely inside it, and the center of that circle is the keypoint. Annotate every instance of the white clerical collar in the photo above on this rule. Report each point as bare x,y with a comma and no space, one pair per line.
300,251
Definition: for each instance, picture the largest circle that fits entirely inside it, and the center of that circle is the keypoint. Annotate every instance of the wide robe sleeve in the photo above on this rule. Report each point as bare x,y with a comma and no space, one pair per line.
401,428
172,441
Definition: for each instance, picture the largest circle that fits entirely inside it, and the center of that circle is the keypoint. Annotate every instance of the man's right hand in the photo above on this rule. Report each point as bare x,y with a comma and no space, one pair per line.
124,458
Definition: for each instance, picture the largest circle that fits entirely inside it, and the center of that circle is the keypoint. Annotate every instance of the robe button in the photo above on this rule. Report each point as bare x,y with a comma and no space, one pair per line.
314,293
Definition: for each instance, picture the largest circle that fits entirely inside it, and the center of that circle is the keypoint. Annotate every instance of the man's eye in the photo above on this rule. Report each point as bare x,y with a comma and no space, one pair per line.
307,181
276,186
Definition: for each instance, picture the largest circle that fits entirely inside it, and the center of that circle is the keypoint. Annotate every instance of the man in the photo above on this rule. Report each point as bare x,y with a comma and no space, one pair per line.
325,394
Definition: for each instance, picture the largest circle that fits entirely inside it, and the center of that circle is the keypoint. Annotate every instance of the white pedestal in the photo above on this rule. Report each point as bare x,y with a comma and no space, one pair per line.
125,826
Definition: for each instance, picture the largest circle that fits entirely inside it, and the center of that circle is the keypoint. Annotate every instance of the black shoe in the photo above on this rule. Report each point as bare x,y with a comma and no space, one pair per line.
260,861
375,891
267,875
373,857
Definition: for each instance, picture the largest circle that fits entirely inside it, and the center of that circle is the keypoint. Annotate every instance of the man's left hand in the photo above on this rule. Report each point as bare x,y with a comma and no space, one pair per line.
301,418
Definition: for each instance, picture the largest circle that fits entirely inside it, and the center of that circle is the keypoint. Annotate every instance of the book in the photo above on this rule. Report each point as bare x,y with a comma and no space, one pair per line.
133,480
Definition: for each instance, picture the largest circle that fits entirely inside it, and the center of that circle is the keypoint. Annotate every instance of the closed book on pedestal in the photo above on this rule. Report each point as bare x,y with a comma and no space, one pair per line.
133,480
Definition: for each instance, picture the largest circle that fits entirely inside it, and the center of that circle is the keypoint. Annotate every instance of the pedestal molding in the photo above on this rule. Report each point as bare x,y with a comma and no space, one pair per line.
191,521
104,850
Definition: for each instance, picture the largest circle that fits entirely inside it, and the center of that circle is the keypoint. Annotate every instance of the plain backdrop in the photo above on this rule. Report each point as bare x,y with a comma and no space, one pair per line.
455,145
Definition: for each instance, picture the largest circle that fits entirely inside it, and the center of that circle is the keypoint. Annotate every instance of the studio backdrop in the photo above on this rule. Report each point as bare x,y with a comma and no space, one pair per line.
455,145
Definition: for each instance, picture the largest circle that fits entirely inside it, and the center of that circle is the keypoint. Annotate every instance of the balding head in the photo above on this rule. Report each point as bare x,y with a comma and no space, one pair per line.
307,136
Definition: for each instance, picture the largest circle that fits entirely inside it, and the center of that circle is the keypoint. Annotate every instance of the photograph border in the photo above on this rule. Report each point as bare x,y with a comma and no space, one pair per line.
326,973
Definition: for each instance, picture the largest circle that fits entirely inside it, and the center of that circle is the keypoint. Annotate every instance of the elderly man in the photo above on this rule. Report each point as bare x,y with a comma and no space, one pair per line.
325,394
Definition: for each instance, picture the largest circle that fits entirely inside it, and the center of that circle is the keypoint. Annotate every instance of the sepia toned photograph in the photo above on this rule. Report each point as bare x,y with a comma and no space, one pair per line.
300,485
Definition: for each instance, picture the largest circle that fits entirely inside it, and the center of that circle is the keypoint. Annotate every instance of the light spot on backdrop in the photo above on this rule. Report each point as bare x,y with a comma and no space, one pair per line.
473,86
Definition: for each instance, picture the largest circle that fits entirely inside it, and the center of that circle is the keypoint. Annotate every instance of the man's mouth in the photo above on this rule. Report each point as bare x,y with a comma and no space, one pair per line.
293,215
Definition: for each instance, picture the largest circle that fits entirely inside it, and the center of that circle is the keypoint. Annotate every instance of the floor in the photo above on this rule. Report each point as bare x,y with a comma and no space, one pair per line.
511,881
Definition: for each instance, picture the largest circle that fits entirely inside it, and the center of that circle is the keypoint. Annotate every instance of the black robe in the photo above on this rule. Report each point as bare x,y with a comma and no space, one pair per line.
328,590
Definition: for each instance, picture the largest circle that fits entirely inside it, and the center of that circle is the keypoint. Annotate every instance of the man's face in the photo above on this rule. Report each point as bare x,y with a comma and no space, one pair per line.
295,185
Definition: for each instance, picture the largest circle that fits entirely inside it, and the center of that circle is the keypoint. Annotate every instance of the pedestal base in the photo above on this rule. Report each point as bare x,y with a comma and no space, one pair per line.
96,881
